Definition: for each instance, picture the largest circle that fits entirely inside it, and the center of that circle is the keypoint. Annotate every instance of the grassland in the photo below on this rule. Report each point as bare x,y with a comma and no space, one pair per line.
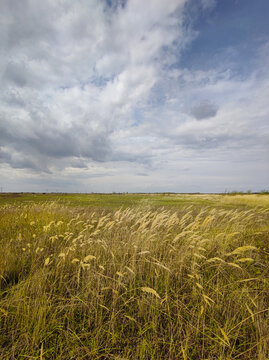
134,276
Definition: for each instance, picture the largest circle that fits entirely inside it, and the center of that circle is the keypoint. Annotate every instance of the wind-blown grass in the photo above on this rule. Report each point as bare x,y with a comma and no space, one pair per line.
133,283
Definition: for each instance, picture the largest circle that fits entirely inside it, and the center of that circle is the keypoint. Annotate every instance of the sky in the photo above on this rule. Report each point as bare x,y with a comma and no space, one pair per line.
134,95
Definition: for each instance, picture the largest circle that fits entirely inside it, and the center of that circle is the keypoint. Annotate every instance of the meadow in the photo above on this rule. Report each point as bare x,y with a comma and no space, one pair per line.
134,276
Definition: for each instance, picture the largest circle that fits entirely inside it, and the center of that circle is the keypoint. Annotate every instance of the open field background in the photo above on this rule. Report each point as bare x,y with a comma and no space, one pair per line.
130,200
134,276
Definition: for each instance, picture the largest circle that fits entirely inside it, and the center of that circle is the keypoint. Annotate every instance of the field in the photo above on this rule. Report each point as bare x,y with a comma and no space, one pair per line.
134,276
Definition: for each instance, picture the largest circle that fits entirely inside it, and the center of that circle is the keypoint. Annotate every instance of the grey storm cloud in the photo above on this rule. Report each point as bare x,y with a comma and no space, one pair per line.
50,143
204,110
16,74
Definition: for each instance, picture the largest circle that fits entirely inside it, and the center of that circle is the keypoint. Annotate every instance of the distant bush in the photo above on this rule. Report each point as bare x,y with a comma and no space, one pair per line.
264,192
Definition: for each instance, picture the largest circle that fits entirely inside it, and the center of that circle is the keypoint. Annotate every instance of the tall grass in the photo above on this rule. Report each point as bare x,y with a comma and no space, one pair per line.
135,283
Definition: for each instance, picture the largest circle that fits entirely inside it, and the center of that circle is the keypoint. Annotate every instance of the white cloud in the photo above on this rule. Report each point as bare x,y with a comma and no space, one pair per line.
208,4
70,83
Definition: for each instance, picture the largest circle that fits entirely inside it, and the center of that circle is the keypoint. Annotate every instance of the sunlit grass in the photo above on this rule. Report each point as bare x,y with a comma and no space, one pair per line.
134,283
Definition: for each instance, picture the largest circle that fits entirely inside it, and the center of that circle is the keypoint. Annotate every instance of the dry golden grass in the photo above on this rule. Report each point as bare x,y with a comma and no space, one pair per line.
135,283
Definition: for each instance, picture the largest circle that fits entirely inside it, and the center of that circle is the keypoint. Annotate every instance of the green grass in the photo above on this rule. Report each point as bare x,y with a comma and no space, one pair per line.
103,200
134,276
130,200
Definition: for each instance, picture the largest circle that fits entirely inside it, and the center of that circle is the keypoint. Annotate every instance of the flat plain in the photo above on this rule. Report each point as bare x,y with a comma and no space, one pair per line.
134,276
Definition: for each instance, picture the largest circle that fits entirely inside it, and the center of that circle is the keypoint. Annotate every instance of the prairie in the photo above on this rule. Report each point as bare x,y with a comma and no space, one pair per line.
134,276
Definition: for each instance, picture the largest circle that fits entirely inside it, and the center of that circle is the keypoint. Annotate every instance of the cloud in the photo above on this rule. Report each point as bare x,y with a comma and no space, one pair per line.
204,110
99,88
72,77
208,4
